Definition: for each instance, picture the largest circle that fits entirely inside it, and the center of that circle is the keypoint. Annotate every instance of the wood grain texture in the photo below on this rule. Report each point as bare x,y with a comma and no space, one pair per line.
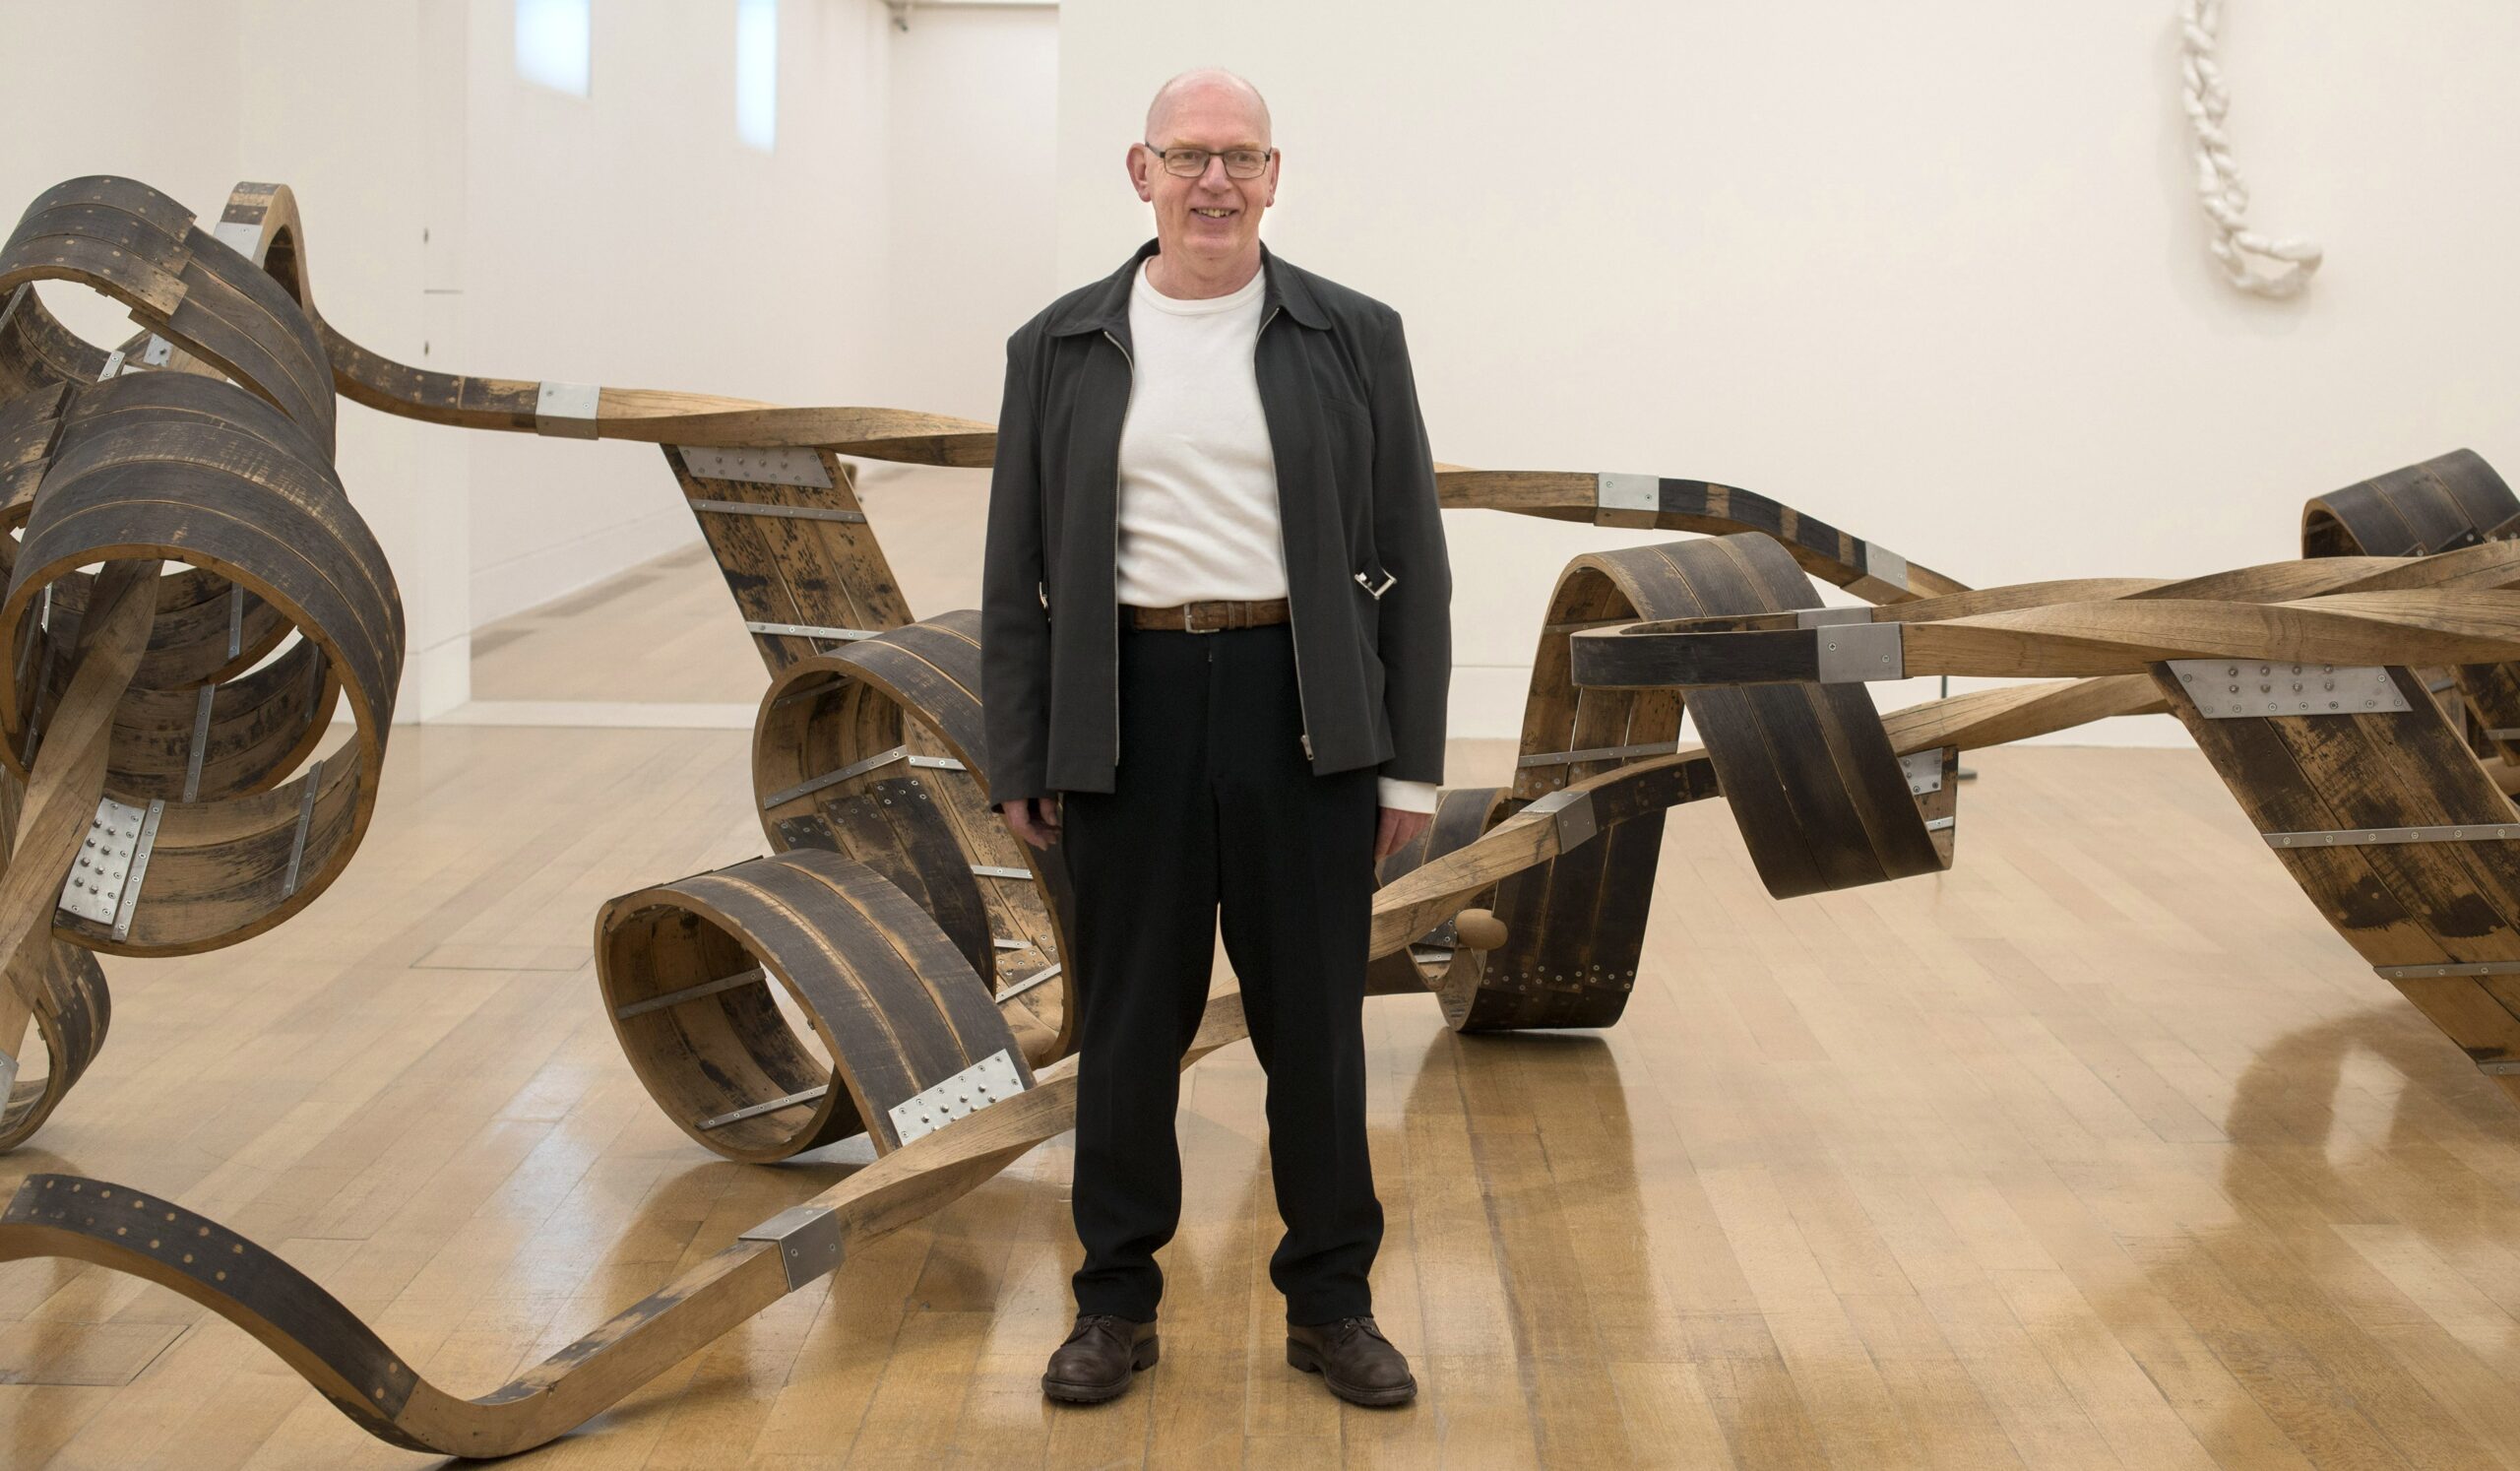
895,1007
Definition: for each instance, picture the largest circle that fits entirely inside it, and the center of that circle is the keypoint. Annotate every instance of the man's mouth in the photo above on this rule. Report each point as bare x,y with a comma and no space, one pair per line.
1213,214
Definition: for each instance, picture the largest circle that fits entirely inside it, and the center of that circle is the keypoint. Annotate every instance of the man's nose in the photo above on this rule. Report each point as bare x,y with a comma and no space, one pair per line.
1215,162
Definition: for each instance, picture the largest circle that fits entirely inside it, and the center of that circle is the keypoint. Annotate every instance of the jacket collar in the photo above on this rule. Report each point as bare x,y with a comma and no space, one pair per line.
1105,306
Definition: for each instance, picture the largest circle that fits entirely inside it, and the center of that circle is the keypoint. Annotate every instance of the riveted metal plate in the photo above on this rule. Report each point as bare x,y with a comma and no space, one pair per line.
787,513
130,899
93,890
993,1079
1572,808
1923,771
1000,871
1854,652
808,1241
158,351
8,1074
566,410
761,467
114,365
1627,499
1881,565
2238,689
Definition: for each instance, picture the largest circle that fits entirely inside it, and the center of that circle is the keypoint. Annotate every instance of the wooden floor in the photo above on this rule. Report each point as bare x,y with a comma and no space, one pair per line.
2098,1151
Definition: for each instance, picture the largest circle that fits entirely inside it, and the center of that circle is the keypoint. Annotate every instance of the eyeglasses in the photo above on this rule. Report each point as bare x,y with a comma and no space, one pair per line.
1190,163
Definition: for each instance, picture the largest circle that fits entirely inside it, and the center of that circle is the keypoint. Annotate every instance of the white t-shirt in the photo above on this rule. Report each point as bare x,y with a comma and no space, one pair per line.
1198,493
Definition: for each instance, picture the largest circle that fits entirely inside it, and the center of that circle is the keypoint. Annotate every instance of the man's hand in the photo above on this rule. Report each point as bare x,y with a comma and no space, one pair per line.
1399,827
1035,820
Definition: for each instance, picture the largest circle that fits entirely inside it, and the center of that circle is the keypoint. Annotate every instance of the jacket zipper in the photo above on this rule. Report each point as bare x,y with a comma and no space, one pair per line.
1115,564
1303,716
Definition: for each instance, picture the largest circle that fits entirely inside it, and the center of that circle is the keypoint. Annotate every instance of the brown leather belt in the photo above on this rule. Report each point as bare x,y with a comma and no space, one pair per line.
1208,617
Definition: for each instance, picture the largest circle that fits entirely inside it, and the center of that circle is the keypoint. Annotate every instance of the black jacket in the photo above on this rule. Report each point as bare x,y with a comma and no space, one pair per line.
1369,581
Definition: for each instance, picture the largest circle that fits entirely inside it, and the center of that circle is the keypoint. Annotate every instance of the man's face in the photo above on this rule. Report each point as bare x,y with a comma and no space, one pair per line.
1213,216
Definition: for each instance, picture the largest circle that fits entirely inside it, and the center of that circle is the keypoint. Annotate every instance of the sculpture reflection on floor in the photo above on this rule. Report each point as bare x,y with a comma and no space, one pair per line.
170,804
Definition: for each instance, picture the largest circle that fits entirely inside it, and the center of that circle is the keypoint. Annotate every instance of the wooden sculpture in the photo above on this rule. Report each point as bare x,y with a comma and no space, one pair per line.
920,942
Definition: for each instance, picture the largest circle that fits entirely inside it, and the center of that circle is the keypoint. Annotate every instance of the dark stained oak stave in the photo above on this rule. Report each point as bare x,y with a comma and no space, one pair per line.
893,1002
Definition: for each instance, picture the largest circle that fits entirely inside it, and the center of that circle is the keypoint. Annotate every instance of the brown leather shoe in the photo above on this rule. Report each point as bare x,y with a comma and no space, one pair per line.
1353,1358
1101,1354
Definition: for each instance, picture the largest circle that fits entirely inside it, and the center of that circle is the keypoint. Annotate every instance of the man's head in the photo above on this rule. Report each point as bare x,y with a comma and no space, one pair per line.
1211,218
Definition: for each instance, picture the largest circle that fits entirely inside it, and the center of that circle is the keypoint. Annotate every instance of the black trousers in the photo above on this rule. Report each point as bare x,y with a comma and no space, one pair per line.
1217,818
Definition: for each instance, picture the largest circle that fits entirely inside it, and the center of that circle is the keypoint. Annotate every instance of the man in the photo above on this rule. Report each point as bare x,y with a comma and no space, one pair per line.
1215,650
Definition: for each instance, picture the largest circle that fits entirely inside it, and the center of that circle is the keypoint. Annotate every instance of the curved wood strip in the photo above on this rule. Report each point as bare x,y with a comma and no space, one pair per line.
685,969
873,751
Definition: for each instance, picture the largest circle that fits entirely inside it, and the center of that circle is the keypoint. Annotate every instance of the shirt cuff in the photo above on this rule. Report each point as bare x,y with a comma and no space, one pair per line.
1408,797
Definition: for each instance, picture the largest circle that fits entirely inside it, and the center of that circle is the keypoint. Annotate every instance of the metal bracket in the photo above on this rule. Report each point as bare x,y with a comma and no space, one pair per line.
766,1106
306,820
1600,753
200,741
2473,832
2238,688
752,976
808,1241
989,1080
811,630
8,1076
1618,499
566,411
1852,653
1881,565
1923,771
834,777
760,467
1000,871
1821,617
1028,981
2470,968
1574,811
791,513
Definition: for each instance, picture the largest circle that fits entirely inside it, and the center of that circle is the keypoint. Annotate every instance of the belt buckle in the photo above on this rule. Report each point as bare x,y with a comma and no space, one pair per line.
1185,623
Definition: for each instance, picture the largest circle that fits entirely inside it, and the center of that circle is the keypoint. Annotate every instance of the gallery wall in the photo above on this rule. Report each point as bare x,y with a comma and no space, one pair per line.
1933,273
463,219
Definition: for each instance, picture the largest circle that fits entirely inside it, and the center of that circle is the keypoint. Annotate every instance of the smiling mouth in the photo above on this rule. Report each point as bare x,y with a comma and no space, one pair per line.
1211,213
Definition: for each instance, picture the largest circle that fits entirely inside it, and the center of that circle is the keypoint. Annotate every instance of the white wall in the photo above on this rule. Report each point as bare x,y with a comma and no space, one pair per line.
463,220
974,189
322,97
628,238
1933,273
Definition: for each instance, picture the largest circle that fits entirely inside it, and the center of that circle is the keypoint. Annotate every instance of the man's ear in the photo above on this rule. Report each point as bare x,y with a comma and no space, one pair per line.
1133,161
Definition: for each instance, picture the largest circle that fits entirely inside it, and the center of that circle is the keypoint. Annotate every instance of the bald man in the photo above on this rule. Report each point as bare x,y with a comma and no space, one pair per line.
1216,648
